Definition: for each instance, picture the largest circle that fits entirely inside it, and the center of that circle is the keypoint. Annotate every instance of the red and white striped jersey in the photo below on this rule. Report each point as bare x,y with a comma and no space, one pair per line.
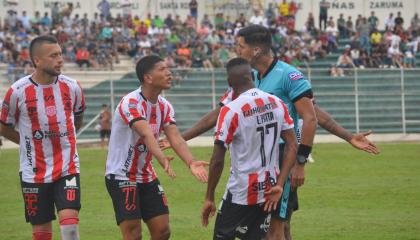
44,115
251,126
228,97
128,157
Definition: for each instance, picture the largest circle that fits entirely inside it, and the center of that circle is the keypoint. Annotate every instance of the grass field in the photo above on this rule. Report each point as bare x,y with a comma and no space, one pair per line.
347,195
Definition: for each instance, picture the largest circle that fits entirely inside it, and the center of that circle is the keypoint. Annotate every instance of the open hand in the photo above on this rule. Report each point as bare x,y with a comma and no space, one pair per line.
273,194
198,169
361,142
164,144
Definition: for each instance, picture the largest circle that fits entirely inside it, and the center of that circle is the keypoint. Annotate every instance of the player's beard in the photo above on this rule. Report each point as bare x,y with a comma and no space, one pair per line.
52,72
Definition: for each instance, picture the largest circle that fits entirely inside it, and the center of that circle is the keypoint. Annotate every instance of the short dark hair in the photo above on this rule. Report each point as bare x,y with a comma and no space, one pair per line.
38,41
256,35
145,65
235,62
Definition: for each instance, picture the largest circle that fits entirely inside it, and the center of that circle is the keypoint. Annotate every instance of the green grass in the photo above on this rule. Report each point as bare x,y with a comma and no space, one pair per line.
347,195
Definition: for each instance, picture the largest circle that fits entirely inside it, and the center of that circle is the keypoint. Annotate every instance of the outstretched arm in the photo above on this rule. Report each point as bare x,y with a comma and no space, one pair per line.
203,125
142,128
358,141
181,148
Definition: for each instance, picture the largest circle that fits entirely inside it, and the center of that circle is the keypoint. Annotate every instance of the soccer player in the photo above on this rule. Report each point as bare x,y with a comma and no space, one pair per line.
131,181
289,84
255,185
47,109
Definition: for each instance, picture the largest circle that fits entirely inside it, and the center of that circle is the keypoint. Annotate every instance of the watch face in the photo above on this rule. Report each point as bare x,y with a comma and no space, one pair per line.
301,159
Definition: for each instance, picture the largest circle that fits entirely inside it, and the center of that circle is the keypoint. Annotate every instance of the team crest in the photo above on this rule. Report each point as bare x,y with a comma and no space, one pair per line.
51,111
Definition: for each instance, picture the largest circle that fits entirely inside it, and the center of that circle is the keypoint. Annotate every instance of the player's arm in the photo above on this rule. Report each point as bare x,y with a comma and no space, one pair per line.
78,121
181,149
289,156
215,171
358,141
141,127
8,110
9,132
203,125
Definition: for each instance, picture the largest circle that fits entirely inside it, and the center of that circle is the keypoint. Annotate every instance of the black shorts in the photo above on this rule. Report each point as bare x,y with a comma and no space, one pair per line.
133,200
40,198
289,199
240,221
105,133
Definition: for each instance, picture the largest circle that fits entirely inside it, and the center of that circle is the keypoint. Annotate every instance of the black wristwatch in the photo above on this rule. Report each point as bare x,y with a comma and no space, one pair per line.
301,159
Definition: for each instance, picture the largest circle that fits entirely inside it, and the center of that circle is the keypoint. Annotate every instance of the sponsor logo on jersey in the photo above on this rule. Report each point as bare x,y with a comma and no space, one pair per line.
295,76
51,111
28,149
71,184
30,190
132,105
38,134
127,162
259,109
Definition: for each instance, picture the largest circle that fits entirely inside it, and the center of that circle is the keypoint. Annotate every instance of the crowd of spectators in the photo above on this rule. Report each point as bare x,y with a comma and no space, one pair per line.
99,42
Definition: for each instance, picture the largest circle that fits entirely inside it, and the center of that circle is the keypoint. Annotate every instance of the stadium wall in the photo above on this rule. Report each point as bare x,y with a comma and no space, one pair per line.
230,8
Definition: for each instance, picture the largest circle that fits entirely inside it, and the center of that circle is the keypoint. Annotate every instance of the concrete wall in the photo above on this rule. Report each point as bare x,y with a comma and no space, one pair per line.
229,7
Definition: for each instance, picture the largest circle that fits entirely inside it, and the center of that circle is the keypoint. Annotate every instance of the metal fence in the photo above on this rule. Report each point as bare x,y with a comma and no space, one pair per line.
383,100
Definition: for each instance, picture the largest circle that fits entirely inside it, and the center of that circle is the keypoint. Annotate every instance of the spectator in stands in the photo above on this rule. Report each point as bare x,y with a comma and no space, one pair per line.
283,9
105,118
355,56
258,19
200,59
219,21
349,27
183,58
270,14
55,14
375,37
11,20
193,8
364,29
399,21
293,9
82,57
394,56
344,62
389,22
323,13
415,22
359,20
341,24
409,59
46,21
104,7
310,23
373,21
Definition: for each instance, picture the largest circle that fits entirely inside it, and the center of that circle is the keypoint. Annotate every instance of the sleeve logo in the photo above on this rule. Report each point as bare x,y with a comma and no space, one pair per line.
295,76
132,105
